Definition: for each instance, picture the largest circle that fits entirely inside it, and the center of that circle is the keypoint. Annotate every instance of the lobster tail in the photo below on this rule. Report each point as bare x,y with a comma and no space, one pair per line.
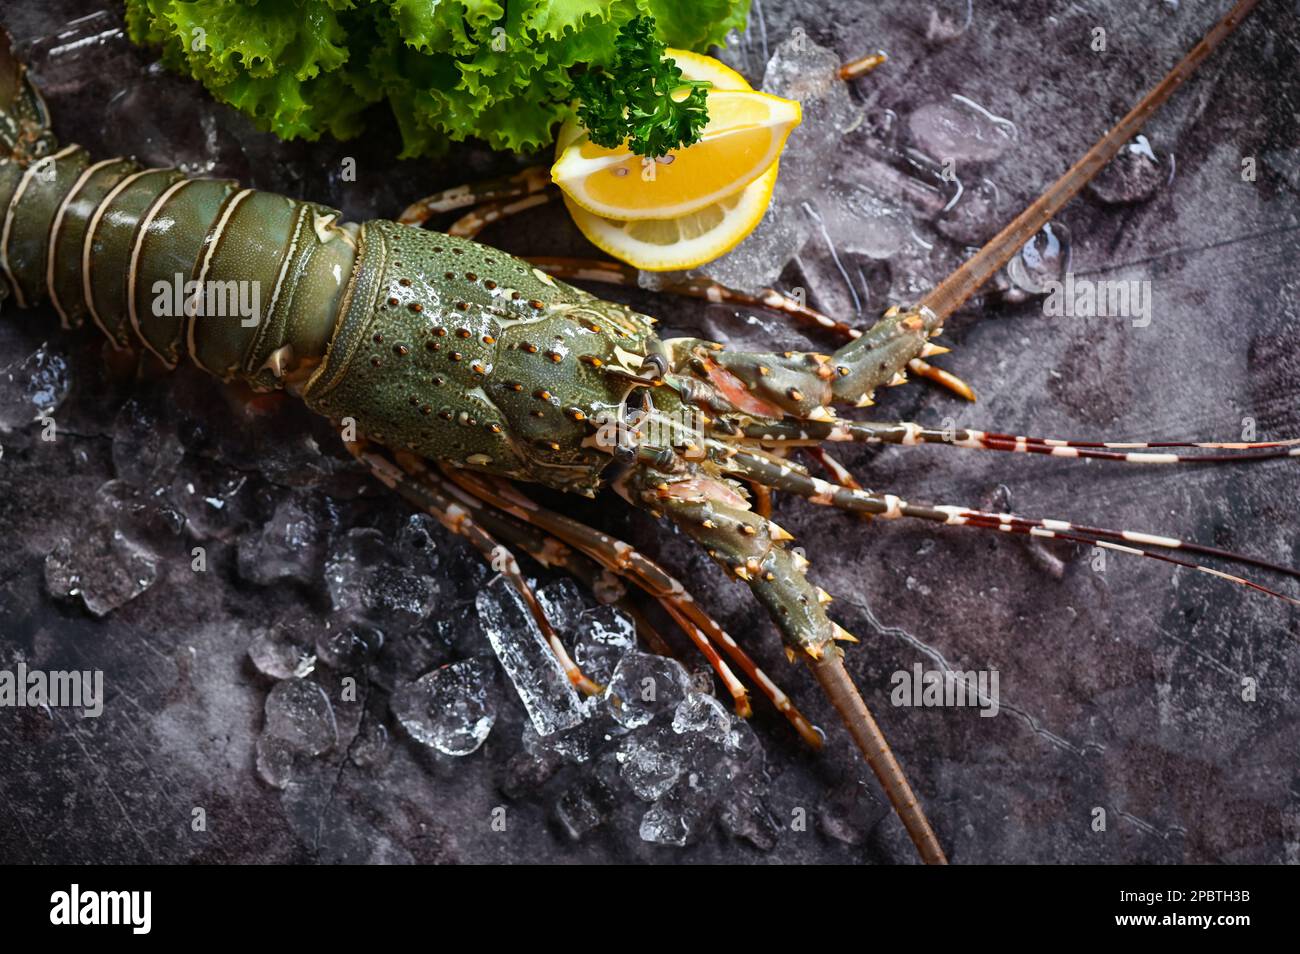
245,284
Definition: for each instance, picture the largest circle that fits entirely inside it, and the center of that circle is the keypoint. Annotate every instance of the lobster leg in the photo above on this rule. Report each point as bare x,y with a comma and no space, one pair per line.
625,276
450,513
620,558
752,548
526,182
470,490
546,550
480,217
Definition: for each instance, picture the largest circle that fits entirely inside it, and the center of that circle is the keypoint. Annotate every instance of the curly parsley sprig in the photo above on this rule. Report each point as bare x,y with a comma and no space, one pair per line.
634,100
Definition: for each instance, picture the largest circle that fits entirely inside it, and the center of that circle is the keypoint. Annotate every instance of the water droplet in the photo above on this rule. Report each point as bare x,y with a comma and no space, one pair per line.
1045,258
960,129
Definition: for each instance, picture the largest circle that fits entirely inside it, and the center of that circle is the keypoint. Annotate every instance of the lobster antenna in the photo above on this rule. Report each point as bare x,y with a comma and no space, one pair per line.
1120,540
1018,445
844,696
1128,452
958,287
779,475
1097,541
809,433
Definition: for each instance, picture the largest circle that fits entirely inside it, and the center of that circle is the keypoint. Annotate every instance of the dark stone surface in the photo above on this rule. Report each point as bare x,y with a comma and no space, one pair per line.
1120,689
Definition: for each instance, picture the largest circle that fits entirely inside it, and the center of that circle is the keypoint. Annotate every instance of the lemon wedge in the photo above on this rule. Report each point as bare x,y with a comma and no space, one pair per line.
690,240
745,134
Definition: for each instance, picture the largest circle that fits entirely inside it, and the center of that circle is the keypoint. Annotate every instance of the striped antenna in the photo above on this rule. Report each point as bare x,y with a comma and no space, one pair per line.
1129,452
781,475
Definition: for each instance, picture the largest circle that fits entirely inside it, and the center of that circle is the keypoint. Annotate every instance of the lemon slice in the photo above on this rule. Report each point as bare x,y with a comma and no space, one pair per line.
746,132
661,245
697,66
657,245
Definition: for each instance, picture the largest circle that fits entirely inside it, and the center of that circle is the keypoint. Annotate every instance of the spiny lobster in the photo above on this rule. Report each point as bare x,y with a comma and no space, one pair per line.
454,369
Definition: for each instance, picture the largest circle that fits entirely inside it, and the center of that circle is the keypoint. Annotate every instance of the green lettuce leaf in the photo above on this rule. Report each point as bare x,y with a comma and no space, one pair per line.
448,70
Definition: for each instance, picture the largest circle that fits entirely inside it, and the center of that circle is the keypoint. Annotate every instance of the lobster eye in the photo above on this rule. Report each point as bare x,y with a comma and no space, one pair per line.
655,365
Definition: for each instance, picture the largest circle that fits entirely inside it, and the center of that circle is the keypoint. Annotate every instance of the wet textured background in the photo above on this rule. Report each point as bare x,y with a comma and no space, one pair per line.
1120,689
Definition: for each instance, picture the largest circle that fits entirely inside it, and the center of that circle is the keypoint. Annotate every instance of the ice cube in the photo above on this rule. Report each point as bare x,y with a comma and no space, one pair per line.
685,812
146,447
757,262
1045,258
851,812
418,541
281,653
802,70
451,709
215,500
32,388
651,760
941,21
578,743
976,216
368,580
584,807
863,223
102,566
1135,174
371,749
843,283
745,813
275,761
299,714
550,699
644,685
702,714
604,636
528,770
918,267
563,604
348,647
135,125
711,754
405,656
289,546
743,751
851,288
909,183
146,517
